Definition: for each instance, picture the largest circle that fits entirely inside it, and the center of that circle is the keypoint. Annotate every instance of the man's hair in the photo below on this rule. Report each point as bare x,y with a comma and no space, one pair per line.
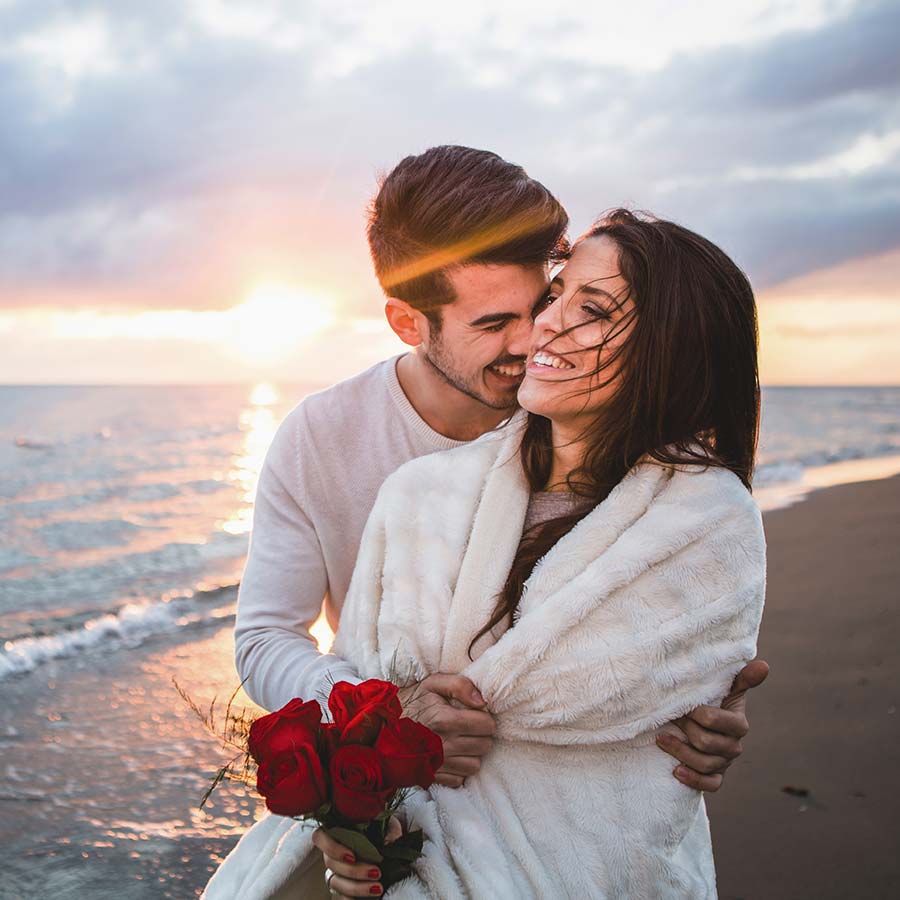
452,206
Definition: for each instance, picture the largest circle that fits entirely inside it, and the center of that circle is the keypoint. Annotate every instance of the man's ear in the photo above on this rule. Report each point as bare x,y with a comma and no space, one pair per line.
408,323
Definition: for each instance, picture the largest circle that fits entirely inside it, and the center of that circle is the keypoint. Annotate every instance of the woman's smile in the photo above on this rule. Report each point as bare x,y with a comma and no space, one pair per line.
542,362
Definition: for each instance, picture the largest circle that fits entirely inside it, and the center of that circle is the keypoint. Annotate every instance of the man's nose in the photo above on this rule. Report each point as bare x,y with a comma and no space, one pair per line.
520,340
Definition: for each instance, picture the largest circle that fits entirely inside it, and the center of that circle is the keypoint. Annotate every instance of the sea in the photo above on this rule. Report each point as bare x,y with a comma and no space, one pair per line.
125,515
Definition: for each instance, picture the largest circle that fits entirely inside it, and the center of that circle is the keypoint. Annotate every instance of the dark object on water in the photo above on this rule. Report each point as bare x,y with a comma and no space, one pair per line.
795,791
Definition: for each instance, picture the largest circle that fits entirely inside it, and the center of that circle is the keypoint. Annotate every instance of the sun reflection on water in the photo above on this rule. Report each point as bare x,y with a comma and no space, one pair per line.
258,424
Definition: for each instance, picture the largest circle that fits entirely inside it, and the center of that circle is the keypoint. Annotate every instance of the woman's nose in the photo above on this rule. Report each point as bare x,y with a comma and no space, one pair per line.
548,320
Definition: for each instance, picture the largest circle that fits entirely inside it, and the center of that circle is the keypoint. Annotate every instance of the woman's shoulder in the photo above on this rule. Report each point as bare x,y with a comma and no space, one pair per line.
714,488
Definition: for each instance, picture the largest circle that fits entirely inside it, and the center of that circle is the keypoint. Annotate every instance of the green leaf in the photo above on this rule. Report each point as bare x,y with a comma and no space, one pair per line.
394,871
404,854
414,840
358,843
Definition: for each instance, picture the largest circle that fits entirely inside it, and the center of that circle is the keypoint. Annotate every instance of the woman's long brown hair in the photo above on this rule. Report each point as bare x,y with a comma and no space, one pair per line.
686,379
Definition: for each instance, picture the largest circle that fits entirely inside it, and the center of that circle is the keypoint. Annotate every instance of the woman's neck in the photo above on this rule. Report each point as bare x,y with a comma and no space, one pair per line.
568,454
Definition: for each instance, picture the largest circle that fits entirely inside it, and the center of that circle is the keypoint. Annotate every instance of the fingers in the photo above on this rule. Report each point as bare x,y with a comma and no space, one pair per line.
752,675
393,831
468,722
456,687
447,780
346,887
353,879
449,722
732,723
461,765
465,745
701,763
710,743
708,783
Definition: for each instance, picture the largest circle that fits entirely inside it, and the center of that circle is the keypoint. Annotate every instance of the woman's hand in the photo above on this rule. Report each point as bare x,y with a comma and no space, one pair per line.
352,878
714,735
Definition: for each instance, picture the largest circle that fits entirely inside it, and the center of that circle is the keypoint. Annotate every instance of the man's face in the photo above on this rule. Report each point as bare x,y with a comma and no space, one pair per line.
485,333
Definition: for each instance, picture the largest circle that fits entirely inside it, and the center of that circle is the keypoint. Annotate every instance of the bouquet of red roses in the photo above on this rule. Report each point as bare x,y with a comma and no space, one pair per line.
349,775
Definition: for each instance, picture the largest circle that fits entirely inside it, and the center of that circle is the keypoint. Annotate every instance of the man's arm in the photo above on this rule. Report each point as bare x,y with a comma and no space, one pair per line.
714,734
282,589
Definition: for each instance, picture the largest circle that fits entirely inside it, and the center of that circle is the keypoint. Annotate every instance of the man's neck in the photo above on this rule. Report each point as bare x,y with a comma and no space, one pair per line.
445,409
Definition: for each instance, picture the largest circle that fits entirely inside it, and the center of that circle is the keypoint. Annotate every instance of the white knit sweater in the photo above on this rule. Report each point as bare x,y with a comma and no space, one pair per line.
317,486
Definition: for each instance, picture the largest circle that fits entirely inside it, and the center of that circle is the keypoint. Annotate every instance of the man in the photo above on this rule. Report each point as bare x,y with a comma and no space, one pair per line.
461,241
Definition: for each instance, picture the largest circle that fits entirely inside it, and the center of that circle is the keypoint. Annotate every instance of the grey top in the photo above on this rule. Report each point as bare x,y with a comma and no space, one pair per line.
546,505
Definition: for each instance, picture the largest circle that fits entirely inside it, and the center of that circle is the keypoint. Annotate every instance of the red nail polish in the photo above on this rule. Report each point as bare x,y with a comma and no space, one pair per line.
349,858
375,889
374,873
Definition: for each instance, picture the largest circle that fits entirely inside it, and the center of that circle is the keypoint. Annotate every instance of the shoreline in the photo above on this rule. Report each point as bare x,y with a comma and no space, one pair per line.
817,478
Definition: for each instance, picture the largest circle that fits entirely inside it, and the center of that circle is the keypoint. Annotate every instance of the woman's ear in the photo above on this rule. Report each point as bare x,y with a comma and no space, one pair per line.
407,323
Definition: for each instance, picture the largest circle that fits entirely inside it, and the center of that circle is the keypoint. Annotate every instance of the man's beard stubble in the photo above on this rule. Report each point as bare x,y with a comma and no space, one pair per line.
440,362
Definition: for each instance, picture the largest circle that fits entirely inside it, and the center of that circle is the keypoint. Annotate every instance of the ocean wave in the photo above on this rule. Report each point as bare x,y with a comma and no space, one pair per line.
129,625
788,469
90,534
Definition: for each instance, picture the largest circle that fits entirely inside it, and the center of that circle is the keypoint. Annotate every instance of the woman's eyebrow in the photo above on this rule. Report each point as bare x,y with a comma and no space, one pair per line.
597,292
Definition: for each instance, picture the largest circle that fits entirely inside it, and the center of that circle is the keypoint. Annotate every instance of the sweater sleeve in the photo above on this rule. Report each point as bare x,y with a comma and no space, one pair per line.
283,587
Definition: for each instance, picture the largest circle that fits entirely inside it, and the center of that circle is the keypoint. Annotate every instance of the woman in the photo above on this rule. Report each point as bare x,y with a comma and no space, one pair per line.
596,567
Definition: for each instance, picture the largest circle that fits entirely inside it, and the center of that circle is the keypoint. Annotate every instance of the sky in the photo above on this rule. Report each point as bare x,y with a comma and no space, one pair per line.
183,184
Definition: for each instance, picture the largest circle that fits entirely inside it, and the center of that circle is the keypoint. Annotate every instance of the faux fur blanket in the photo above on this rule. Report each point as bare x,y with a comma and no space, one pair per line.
645,610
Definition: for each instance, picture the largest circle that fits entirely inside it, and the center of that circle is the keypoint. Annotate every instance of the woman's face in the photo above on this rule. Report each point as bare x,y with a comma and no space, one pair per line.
589,295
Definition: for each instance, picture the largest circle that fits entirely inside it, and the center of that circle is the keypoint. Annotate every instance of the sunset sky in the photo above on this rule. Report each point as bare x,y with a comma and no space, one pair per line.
183,184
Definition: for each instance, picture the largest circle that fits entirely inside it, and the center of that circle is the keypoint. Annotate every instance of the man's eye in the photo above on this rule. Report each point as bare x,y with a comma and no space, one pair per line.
543,303
494,328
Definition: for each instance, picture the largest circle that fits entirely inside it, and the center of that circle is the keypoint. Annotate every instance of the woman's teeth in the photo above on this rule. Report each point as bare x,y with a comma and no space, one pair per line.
509,371
546,359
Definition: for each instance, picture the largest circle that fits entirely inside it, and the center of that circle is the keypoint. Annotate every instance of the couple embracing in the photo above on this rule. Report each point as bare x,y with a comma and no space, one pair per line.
541,517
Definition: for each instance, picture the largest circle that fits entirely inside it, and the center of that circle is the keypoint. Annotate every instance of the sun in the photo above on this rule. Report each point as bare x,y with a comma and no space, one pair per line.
275,320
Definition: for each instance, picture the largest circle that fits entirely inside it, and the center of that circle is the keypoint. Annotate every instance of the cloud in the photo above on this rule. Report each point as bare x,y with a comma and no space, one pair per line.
177,152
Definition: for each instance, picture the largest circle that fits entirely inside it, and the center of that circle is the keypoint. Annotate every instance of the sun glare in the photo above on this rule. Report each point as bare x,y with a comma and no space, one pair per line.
275,320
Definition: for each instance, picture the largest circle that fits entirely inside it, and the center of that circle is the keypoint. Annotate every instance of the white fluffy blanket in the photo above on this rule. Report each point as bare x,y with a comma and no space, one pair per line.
645,610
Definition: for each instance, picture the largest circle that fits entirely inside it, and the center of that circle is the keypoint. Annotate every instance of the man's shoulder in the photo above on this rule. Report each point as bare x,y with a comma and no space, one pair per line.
350,398
457,468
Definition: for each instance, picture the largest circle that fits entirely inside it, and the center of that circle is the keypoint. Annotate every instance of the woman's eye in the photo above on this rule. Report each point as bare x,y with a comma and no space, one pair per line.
595,311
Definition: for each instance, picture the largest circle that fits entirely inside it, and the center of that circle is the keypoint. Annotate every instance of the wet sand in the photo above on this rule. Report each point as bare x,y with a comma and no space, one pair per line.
825,722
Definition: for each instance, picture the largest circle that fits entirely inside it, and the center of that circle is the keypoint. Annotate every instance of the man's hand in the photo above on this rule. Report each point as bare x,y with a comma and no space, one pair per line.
714,735
451,706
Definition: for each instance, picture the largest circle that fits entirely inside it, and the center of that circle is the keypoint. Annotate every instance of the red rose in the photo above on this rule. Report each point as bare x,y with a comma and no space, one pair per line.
294,724
359,710
293,783
357,783
329,741
411,753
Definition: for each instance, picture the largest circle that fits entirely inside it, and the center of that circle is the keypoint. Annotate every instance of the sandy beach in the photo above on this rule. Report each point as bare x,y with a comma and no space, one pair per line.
105,767
825,724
